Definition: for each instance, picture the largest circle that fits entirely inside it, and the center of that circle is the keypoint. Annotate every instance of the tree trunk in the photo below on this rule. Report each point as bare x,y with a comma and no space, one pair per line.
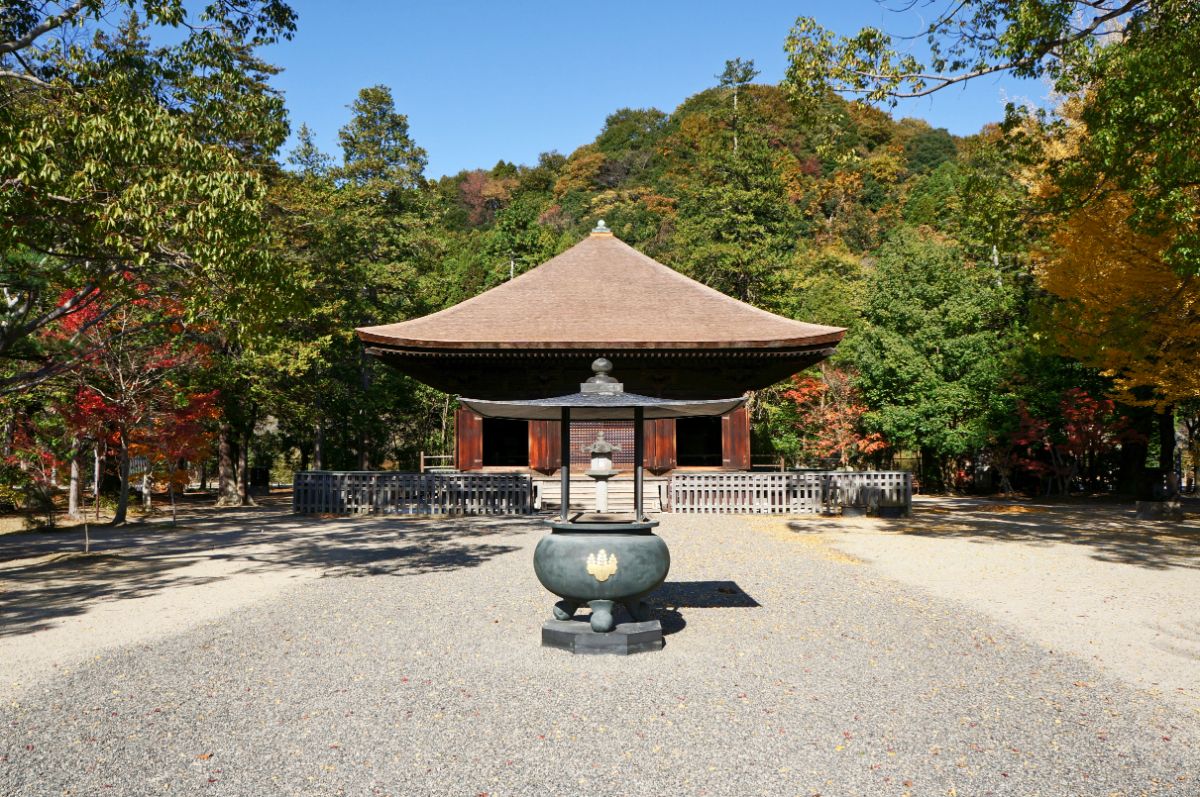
244,468
243,480
1131,476
96,480
76,483
123,495
735,119
365,377
1166,450
147,483
204,476
319,447
227,493
9,428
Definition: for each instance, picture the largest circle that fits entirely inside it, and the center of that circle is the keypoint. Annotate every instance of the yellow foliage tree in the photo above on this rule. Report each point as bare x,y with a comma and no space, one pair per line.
581,172
1124,309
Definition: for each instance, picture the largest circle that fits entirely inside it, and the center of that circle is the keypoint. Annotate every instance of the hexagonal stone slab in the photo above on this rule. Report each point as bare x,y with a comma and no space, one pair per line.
577,636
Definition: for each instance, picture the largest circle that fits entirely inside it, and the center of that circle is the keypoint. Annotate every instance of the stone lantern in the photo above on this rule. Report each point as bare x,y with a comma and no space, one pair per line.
602,470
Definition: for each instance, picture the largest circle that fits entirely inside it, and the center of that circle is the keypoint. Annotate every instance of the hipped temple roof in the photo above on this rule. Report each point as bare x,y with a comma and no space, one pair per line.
601,293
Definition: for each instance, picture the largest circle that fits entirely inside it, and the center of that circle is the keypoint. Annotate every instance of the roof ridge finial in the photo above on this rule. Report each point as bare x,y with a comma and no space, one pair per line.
601,228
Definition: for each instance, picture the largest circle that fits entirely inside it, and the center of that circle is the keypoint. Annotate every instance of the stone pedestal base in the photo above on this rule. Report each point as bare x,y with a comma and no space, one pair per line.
577,636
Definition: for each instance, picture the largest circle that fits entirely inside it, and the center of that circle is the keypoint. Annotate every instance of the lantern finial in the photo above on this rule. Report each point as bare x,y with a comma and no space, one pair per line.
602,380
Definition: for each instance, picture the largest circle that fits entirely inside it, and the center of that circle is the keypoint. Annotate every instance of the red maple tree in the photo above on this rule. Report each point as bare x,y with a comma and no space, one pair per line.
830,413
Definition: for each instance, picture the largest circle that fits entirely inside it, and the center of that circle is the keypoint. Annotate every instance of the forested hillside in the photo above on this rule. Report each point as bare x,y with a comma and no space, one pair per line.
1021,303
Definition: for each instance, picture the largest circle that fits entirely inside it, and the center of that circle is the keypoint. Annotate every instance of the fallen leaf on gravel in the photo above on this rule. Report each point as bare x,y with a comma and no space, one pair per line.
1005,509
204,756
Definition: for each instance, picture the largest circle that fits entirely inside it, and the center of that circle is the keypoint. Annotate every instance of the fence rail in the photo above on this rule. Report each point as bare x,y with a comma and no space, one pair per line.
382,492
806,493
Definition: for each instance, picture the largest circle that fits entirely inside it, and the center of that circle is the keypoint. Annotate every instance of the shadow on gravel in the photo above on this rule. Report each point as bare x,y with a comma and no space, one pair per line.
675,595
1114,533
138,561
32,598
703,595
671,620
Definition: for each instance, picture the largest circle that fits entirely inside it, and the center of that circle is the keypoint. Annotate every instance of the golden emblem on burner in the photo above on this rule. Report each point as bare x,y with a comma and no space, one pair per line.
602,565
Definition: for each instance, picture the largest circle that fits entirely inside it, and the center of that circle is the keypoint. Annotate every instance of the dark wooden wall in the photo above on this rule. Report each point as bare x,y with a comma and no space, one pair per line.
504,375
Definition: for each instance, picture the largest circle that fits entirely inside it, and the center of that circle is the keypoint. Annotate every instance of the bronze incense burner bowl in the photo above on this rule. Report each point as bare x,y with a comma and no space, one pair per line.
601,561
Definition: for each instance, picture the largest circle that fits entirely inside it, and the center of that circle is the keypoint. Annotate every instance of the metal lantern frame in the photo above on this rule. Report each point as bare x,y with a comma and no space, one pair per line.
600,559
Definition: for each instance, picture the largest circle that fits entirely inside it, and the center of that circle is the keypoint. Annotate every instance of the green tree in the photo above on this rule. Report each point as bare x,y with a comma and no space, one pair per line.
736,223
376,146
929,149
361,241
935,348
737,74
124,166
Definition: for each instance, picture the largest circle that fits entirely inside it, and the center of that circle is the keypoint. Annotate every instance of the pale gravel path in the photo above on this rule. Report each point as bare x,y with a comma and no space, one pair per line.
148,581
411,666
203,595
1092,581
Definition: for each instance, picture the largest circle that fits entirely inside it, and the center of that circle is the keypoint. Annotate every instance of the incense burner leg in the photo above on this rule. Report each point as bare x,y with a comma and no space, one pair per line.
565,610
602,616
639,610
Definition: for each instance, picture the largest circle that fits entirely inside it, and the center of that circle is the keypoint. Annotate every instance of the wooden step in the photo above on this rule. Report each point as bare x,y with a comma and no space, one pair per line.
583,494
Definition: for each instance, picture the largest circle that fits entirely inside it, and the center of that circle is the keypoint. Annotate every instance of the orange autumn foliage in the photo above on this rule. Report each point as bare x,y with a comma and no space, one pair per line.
829,418
1124,310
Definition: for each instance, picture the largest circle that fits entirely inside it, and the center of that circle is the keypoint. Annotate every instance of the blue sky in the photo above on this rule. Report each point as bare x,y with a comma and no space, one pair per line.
482,82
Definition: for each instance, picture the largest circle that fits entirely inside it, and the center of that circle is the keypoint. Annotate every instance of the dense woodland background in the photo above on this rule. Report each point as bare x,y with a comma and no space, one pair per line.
1022,303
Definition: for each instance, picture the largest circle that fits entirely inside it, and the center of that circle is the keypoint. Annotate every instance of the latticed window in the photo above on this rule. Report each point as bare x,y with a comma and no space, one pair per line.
619,433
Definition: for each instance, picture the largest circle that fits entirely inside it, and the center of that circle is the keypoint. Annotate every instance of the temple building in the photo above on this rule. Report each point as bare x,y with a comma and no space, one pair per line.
666,334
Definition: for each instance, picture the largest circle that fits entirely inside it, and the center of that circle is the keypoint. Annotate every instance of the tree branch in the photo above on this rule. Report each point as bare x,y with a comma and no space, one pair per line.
49,24
27,78
1047,48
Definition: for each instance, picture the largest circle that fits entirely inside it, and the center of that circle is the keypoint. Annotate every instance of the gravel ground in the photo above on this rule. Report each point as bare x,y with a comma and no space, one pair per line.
411,666
1092,581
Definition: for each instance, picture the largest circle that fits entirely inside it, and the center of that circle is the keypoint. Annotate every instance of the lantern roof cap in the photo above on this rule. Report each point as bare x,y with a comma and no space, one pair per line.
610,404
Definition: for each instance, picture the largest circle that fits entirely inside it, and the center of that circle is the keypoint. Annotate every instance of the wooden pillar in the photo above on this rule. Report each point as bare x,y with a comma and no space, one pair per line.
639,444
565,470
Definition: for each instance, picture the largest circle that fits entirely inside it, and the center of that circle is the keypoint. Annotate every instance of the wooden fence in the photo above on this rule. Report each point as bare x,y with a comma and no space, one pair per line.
789,493
740,492
384,492
871,489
